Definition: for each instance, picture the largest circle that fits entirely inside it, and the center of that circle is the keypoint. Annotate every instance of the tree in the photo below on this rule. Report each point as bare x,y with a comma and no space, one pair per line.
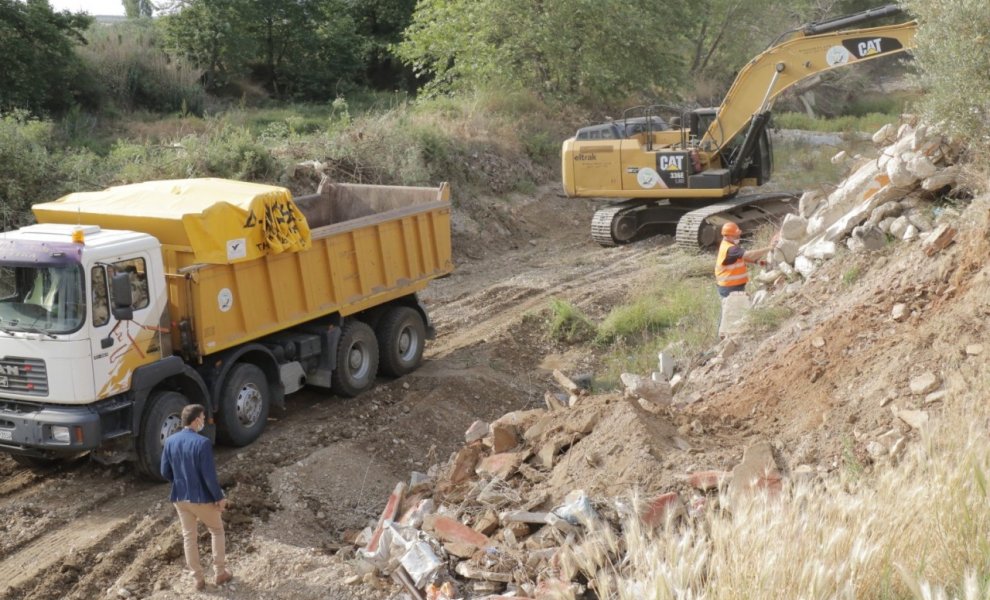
300,49
581,49
953,51
138,8
41,72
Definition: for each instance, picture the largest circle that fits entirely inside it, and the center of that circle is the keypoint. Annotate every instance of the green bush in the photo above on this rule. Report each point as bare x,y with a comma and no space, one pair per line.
952,53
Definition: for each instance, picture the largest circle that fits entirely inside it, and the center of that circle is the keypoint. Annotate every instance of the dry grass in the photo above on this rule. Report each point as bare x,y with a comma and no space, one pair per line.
918,529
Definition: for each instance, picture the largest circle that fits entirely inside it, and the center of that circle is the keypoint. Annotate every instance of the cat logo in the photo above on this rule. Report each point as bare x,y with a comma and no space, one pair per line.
866,48
869,47
671,163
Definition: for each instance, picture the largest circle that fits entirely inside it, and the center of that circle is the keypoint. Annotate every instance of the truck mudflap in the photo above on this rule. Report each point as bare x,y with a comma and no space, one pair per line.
39,430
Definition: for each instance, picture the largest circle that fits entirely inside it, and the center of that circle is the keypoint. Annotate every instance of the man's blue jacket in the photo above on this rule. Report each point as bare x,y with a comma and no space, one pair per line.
187,461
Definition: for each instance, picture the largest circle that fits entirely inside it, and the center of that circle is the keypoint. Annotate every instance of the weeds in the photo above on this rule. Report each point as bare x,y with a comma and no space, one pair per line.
568,324
764,319
852,275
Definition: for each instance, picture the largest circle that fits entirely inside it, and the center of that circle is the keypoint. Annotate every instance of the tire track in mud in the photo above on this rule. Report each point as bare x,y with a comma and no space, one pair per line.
69,536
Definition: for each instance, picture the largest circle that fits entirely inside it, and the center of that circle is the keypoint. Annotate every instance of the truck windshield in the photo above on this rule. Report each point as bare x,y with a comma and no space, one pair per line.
41,298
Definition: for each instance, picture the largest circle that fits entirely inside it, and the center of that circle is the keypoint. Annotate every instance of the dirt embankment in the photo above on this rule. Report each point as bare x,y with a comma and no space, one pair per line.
820,389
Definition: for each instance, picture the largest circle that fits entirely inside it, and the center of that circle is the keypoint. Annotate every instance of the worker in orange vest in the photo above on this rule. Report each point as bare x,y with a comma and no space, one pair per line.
730,267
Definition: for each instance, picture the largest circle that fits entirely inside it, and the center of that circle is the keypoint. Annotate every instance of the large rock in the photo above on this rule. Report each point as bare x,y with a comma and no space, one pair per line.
920,218
921,167
735,309
822,250
885,210
809,203
867,239
948,176
805,266
794,228
924,383
899,226
884,135
757,472
787,251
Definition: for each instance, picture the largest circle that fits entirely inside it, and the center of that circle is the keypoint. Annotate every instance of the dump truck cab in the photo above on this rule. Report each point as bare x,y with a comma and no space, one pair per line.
80,312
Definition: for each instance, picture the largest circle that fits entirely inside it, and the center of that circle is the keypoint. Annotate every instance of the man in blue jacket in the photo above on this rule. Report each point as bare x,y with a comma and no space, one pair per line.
187,462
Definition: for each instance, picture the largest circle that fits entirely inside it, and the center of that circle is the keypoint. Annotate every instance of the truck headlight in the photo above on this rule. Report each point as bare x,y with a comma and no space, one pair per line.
60,434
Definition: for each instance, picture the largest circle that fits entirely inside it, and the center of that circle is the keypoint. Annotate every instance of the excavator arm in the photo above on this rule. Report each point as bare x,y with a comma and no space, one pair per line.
807,52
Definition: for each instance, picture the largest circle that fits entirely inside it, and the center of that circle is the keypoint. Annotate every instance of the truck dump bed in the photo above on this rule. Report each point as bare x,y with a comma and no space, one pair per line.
346,249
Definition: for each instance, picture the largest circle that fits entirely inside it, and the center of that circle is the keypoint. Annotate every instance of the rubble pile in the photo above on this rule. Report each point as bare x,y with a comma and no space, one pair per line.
889,197
500,517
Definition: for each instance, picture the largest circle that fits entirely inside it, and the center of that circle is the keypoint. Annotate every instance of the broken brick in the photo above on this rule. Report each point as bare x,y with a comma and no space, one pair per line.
707,480
500,465
464,463
504,438
388,514
453,531
662,509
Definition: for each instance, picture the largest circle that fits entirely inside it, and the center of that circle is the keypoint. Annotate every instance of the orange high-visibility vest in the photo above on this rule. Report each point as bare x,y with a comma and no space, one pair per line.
729,275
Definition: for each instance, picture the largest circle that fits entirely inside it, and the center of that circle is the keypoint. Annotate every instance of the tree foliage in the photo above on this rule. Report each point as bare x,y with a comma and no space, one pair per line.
138,8
581,49
41,73
953,51
306,49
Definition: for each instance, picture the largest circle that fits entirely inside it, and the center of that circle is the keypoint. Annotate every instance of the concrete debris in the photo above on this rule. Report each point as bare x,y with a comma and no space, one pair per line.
924,383
974,349
735,310
757,472
665,363
647,389
899,312
476,431
917,419
880,198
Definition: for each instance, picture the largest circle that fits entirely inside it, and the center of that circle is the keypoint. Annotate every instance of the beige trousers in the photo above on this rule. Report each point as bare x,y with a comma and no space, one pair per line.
190,514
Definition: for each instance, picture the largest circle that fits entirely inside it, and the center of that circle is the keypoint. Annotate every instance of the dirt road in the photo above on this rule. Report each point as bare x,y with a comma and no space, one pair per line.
325,465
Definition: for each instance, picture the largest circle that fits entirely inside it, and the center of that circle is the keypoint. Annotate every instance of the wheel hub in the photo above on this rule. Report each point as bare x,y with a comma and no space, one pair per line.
358,361
171,424
408,344
249,404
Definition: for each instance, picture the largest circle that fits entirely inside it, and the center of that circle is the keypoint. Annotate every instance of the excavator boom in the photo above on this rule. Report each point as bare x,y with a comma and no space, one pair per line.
689,174
784,65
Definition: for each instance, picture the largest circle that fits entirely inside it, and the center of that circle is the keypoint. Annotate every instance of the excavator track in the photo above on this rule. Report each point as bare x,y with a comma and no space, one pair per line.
607,222
694,230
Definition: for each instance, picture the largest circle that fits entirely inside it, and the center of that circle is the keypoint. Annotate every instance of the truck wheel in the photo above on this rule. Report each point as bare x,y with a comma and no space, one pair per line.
401,337
244,404
162,419
357,360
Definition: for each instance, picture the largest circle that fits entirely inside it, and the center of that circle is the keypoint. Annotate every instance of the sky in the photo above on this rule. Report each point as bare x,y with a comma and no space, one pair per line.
93,7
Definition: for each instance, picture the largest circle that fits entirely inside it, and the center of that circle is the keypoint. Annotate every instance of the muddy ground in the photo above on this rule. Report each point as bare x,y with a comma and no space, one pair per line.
820,388
326,465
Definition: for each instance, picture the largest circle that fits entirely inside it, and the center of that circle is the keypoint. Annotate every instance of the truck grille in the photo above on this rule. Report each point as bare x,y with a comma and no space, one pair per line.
23,376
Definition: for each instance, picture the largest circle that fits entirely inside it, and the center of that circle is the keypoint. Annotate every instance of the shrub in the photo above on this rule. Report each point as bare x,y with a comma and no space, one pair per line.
951,51
568,324
137,74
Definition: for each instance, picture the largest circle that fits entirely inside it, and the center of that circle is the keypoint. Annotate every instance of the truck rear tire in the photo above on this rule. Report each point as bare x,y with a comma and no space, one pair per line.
162,419
357,360
244,404
401,336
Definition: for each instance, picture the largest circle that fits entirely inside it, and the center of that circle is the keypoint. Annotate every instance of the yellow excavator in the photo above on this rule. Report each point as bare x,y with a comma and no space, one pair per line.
690,172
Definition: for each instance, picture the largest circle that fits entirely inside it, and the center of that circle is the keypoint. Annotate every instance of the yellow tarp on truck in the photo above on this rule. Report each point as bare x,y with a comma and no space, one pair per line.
220,221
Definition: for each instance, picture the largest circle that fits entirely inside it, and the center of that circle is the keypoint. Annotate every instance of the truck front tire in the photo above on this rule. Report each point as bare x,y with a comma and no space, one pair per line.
357,360
244,404
162,419
401,336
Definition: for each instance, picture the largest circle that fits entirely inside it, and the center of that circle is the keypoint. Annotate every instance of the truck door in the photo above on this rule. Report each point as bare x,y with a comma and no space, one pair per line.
120,346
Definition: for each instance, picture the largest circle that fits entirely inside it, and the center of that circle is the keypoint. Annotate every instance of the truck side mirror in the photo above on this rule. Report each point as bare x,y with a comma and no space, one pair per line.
123,302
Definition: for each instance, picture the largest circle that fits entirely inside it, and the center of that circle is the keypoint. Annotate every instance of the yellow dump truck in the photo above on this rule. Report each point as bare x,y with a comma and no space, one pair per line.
121,306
